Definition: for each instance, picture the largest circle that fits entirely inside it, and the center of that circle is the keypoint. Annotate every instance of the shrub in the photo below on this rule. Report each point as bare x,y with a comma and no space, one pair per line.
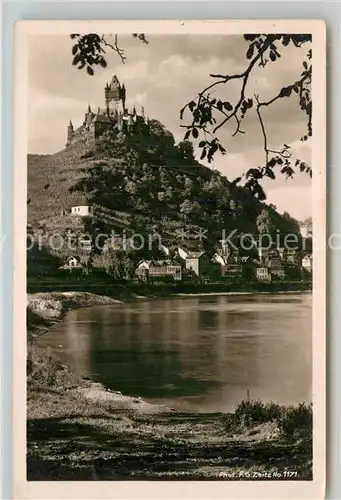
296,421
255,412
87,154
45,371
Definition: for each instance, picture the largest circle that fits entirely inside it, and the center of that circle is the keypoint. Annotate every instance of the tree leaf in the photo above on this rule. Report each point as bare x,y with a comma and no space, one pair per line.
228,106
203,154
195,133
76,60
191,105
250,38
286,40
90,70
202,144
74,50
285,92
272,55
250,51
270,173
254,173
220,105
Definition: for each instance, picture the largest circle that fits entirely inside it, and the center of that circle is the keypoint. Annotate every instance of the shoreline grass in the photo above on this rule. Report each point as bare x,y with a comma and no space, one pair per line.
78,430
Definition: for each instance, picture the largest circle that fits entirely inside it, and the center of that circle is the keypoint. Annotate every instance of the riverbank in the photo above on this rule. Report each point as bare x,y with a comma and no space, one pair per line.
77,430
123,291
45,308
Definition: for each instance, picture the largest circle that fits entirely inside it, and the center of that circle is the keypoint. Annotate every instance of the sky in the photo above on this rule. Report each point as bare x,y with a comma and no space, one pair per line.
162,76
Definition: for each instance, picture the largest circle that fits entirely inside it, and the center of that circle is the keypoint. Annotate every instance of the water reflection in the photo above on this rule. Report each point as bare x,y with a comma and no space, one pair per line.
198,353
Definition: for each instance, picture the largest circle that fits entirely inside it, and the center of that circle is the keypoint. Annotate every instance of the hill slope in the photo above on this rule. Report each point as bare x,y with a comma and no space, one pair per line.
148,182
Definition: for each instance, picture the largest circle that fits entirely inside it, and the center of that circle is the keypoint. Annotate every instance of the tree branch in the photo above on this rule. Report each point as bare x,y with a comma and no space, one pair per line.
114,47
223,79
284,92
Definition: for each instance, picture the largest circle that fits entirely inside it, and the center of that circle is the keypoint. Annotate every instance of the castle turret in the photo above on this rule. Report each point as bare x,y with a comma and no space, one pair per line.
115,94
130,124
70,132
123,97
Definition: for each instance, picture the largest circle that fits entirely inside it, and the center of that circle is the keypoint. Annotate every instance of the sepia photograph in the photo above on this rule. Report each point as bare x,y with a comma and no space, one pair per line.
172,251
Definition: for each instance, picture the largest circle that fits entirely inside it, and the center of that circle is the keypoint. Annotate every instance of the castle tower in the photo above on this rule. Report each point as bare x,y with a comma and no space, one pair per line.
115,94
70,131
123,97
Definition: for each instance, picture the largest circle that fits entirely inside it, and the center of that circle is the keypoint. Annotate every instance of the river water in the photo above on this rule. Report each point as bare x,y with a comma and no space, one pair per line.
198,353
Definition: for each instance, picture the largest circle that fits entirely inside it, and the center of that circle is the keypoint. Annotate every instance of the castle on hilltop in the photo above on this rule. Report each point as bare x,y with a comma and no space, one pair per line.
115,116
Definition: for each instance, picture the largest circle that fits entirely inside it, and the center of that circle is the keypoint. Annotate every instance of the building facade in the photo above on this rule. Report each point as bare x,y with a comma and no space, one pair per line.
199,263
263,273
149,269
276,268
82,210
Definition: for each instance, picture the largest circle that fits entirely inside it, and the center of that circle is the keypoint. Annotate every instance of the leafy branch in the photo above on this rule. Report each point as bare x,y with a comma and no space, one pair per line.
90,49
281,158
209,113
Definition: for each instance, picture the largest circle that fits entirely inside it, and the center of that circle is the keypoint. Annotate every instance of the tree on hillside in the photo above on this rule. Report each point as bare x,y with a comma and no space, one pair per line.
186,151
207,113
264,223
189,207
119,264
293,222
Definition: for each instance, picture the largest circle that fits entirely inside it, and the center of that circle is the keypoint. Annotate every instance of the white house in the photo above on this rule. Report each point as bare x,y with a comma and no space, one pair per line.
159,268
307,263
72,262
82,210
263,273
82,207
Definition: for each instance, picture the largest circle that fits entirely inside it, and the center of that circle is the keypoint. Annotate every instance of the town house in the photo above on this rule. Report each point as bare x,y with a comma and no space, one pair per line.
149,269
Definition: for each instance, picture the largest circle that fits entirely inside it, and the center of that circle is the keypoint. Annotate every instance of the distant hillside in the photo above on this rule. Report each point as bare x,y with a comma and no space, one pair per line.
149,182
49,179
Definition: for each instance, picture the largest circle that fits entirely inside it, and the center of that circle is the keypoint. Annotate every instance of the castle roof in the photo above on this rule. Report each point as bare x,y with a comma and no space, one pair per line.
81,201
101,117
114,82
